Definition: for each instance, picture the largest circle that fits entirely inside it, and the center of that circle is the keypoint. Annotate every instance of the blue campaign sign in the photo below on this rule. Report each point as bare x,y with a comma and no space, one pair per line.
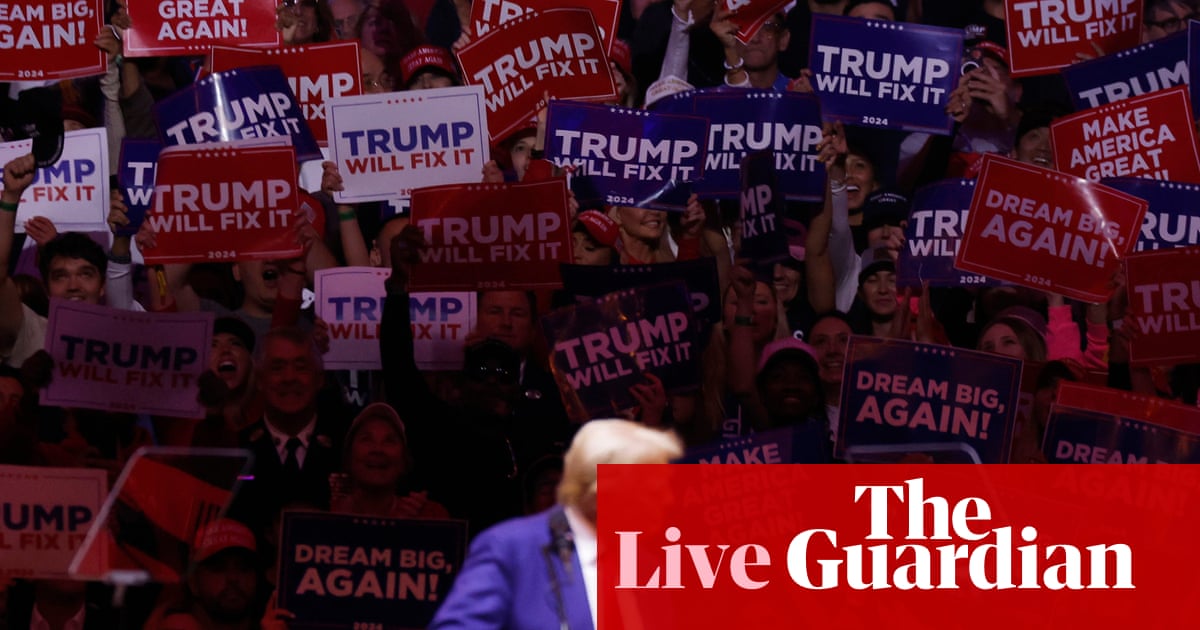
935,228
875,73
700,276
1193,57
1151,67
237,104
139,158
626,157
741,122
600,349
804,444
1173,218
1076,436
764,239
343,571
899,392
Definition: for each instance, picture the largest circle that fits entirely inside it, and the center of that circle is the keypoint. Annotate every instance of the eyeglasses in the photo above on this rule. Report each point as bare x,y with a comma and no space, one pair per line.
1171,24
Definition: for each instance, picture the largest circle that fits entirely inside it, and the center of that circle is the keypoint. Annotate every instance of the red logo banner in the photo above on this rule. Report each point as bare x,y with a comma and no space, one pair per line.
186,27
492,236
1118,402
1042,229
488,14
1164,300
50,40
1045,35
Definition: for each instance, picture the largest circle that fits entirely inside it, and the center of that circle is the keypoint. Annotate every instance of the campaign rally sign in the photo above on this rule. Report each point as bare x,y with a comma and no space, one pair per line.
600,349
385,145
51,40
764,240
750,15
343,571
931,240
1149,136
1164,301
700,276
1046,35
629,157
1151,67
788,445
1173,218
72,192
117,360
557,51
160,28
224,203
488,14
876,73
236,105
1039,228
135,176
47,512
492,236
350,300
316,73
1089,424
899,392
744,121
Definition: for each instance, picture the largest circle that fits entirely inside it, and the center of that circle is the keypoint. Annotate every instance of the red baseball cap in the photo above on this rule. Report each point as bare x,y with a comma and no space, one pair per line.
622,56
423,57
220,535
599,226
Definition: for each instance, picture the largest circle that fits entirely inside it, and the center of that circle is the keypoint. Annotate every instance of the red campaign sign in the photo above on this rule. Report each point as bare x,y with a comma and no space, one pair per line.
191,27
1045,35
557,51
488,14
896,546
1164,300
51,39
1118,402
316,73
1042,229
492,236
1150,136
223,203
750,15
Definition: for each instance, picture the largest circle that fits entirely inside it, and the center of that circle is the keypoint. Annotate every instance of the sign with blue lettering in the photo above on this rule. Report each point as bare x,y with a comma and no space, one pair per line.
1153,66
601,349
139,160
350,300
1173,218
700,276
764,241
1078,436
804,444
46,515
875,73
385,145
236,105
900,392
343,571
72,192
935,227
788,124
626,157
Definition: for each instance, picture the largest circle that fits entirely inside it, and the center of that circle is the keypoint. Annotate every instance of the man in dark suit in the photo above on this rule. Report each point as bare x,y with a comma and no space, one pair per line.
540,571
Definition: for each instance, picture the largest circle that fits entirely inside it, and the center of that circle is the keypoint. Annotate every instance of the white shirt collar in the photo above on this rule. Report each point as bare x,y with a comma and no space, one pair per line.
585,549
38,622
279,439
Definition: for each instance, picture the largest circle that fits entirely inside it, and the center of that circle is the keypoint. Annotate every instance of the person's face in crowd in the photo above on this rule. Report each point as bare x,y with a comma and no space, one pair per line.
375,77
829,337
520,155
260,282
306,20
874,11
789,391
787,283
230,359
346,14
1165,19
377,455
491,386
879,293
889,237
429,80
225,586
379,34
1034,148
1001,339
588,251
75,279
507,316
290,377
642,224
619,80
766,312
381,254
11,393
860,180
762,51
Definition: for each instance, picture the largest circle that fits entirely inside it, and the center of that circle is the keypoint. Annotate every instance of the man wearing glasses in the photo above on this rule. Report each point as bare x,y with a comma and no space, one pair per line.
754,64
1164,17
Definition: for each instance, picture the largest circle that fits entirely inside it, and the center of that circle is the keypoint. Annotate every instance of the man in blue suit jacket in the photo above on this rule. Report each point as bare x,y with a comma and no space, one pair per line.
540,571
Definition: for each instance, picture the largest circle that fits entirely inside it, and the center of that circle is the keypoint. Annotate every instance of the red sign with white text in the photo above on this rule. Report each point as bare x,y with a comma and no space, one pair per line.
492,236
488,14
1164,300
316,73
1125,404
893,546
1042,229
50,40
222,203
1045,35
187,27
557,51
750,15
1150,136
